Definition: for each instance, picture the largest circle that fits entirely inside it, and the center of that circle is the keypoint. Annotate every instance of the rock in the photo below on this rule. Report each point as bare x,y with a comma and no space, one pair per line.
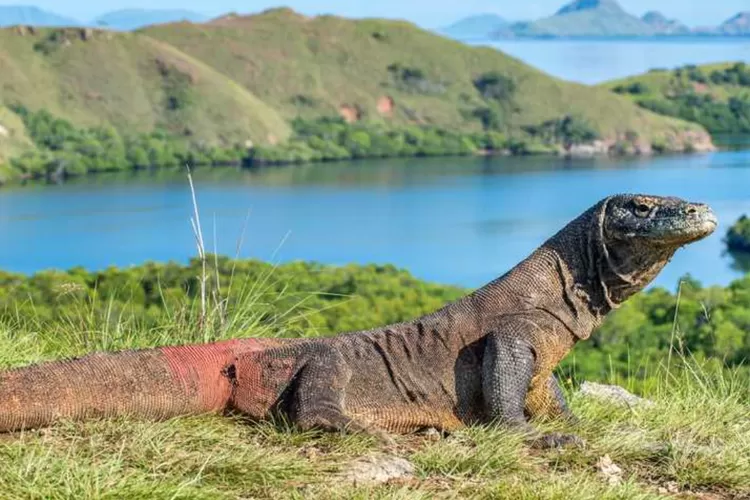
24,30
643,148
385,105
432,434
699,142
376,469
350,113
669,487
691,141
610,470
596,148
613,394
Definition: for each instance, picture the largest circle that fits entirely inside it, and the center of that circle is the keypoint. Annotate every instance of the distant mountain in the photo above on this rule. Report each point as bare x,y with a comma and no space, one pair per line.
586,18
606,18
736,25
11,15
662,25
480,25
130,19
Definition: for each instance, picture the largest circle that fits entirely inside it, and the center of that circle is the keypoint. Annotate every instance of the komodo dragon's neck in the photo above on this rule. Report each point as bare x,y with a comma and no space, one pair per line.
575,275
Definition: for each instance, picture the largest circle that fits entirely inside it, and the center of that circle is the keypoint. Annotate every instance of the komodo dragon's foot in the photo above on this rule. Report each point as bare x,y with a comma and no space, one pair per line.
555,440
540,440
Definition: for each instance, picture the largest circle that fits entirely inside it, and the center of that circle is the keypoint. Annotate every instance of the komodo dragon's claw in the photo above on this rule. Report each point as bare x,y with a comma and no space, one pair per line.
556,440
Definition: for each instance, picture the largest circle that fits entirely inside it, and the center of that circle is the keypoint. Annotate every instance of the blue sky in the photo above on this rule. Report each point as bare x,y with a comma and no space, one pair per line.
429,13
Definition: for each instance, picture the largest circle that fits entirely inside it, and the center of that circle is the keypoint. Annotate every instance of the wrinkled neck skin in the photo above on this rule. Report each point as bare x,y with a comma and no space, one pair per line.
578,275
618,269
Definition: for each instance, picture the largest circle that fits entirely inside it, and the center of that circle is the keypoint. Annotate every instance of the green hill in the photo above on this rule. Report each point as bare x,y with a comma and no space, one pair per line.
242,80
378,69
131,82
717,96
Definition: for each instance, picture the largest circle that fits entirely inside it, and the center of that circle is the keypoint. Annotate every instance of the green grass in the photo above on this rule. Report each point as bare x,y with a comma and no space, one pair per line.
716,96
695,439
123,80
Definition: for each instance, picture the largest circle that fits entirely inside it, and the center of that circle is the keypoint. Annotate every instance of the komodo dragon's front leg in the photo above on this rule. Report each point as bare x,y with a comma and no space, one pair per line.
545,400
509,372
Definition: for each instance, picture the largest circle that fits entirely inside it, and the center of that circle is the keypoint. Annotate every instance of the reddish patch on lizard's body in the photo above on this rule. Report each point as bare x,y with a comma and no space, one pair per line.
199,369
260,380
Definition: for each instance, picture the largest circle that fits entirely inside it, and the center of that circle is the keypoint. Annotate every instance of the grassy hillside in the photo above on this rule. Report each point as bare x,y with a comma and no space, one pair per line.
693,442
316,66
716,96
248,81
131,82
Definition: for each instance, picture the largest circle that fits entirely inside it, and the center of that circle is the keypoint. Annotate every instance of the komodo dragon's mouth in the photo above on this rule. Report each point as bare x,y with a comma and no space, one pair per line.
701,222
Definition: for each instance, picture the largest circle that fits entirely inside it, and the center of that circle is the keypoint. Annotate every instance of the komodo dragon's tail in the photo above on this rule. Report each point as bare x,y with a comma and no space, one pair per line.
153,384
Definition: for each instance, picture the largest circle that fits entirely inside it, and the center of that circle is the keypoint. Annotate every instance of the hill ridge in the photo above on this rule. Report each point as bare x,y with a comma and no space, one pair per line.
222,85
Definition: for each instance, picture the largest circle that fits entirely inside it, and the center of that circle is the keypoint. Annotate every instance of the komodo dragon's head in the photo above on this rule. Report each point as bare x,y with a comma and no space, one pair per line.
655,223
637,236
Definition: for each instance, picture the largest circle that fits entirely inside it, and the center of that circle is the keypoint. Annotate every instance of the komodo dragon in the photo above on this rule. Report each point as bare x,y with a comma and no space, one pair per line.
487,357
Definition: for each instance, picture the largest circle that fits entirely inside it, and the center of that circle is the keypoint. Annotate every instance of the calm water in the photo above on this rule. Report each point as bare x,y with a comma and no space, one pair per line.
595,61
460,221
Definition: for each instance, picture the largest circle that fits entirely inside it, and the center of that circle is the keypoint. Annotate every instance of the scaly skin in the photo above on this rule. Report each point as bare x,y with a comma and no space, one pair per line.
487,357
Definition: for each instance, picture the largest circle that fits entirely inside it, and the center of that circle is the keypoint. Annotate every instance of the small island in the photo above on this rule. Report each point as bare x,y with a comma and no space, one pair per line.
738,236
605,19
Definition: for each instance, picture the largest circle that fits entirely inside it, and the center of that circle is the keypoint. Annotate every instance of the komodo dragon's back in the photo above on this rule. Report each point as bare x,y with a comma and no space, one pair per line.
489,356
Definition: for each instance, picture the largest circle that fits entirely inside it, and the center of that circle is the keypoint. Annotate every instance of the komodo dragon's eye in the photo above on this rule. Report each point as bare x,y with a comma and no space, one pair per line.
642,209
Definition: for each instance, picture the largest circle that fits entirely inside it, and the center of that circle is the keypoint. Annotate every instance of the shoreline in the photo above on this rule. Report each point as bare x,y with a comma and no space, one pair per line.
598,149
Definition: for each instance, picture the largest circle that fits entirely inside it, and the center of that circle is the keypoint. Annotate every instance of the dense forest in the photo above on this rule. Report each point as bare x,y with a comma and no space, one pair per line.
63,150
